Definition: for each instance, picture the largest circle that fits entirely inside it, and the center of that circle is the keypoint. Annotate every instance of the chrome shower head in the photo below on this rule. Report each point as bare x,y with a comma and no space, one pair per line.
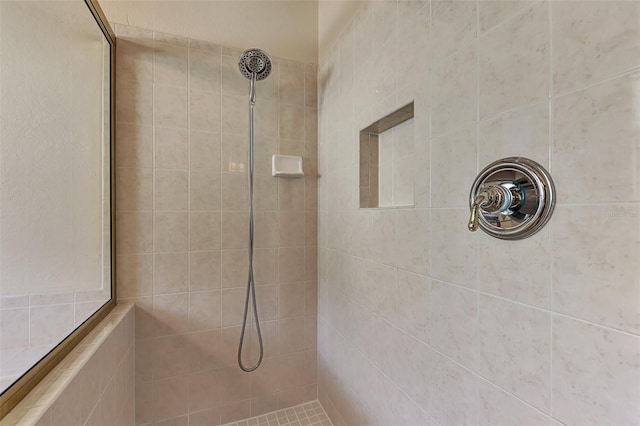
255,61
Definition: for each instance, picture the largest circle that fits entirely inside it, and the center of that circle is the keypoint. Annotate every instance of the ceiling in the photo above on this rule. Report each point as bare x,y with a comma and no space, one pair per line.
293,29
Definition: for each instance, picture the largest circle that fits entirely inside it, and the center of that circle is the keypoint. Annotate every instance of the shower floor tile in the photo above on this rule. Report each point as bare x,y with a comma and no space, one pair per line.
308,414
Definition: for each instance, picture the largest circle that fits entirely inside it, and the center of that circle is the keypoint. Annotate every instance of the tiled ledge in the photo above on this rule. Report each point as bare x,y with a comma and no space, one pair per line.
78,389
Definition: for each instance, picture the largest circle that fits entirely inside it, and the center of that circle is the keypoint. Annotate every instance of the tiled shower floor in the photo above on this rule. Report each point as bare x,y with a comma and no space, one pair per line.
309,414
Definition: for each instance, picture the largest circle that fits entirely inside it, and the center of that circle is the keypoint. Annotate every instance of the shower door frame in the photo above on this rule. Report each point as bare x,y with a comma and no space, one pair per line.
25,384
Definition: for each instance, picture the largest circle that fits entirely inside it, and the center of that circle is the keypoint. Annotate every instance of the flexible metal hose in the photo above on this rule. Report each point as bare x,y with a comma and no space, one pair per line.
251,285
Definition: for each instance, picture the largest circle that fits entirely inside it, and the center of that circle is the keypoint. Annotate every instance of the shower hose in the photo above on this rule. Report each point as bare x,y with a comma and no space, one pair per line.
251,284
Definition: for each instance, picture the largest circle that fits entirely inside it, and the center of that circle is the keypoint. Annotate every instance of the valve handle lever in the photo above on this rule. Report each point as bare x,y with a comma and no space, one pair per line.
475,212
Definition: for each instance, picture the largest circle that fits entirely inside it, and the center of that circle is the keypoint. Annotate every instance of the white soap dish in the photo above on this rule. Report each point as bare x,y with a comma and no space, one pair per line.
286,166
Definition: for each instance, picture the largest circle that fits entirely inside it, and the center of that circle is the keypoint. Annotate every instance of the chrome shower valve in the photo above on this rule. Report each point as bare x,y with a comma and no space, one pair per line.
495,198
511,199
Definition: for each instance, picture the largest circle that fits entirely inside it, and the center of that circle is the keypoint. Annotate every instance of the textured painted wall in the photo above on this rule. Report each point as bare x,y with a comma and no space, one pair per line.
181,188
423,322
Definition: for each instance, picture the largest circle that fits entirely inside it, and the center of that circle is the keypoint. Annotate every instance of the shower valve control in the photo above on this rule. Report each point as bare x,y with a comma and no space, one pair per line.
496,197
511,199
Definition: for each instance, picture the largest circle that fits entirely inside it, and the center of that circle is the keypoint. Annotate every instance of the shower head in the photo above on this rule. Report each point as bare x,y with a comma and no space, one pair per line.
255,61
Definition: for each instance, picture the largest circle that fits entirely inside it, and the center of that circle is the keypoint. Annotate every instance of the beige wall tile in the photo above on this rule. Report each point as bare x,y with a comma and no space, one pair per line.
595,273
590,365
291,301
232,306
135,102
170,313
171,190
170,106
383,236
134,232
265,266
585,124
582,56
171,272
236,383
512,102
204,270
522,133
449,235
233,83
234,192
292,229
290,118
134,145
204,191
514,344
291,332
414,36
492,12
135,59
134,275
265,193
204,310
208,350
15,330
453,25
268,306
134,189
292,83
412,244
511,410
205,151
291,264
234,268
234,230
451,184
267,229
199,256
310,87
533,258
233,115
291,194
169,356
170,64
234,153
204,46
377,284
453,313
204,71
515,62
451,382
204,231
171,232
455,98
205,417
266,117
414,292
170,397
171,148
204,113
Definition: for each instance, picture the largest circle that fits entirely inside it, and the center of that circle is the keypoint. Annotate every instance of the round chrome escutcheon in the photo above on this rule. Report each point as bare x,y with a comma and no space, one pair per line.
533,198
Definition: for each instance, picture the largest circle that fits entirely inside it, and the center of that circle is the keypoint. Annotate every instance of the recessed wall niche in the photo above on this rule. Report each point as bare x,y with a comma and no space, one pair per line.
386,161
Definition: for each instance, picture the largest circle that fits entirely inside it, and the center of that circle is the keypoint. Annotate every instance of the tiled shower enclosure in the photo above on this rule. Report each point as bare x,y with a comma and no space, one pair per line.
182,123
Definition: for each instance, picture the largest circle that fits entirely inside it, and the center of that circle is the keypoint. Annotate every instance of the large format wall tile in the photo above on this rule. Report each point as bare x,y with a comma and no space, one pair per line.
597,143
420,320
582,55
514,349
514,62
595,374
595,273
